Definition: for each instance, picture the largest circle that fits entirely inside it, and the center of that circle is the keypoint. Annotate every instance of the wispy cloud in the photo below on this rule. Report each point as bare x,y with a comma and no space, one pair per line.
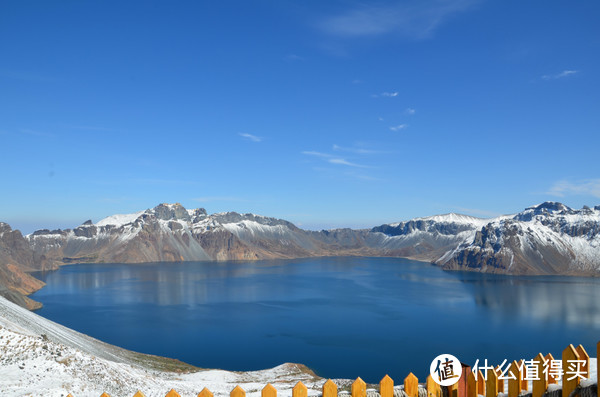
386,94
250,137
589,187
413,20
357,150
398,127
410,111
340,161
316,154
563,74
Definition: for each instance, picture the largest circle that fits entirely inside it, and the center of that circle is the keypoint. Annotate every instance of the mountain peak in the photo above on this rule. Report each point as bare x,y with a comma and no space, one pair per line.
551,206
167,212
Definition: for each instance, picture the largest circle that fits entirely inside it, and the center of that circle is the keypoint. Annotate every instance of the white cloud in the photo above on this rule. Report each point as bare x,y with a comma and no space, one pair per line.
410,111
250,137
589,187
356,150
414,20
564,73
398,127
390,94
316,154
340,161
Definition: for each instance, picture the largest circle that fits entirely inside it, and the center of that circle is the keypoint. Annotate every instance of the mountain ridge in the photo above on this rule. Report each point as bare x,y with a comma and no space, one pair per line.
547,238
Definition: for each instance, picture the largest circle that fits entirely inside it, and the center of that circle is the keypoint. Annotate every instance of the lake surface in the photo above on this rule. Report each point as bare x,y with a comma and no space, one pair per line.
343,317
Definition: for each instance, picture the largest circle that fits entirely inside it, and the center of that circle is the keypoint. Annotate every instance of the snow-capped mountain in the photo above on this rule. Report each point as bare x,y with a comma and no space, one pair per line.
549,238
425,238
169,232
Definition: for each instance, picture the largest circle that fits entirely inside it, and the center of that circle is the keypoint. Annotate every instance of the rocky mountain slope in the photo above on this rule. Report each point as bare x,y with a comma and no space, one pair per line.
169,232
549,238
16,258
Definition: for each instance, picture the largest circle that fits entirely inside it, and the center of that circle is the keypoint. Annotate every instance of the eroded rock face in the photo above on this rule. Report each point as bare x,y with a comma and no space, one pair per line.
549,238
171,212
16,258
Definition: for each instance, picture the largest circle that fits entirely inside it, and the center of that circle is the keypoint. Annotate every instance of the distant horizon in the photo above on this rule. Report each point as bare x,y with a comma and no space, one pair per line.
327,114
30,227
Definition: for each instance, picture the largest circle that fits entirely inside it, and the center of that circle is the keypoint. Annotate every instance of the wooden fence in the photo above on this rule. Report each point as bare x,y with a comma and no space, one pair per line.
468,385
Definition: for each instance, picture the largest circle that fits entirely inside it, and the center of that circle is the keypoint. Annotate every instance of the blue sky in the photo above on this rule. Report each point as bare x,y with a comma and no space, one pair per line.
325,113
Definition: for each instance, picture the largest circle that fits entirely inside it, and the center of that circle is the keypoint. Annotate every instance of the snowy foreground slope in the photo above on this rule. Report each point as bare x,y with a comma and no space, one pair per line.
41,358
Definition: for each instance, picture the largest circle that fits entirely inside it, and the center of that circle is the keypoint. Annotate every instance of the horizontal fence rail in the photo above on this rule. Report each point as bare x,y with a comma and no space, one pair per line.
469,384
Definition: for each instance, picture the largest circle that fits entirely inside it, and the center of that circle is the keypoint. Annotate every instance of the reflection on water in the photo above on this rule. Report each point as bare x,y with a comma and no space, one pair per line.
344,317
570,300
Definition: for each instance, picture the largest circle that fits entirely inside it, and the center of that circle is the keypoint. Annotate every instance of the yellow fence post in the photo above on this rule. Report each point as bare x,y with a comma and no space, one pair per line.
329,389
433,389
137,394
500,381
104,395
411,385
205,393
268,391
299,390
471,385
551,380
480,383
514,385
585,357
540,384
359,388
172,393
491,384
386,387
568,385
237,392
524,383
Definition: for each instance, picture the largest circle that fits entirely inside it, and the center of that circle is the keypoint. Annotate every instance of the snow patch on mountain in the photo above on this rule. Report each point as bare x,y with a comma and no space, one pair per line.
119,219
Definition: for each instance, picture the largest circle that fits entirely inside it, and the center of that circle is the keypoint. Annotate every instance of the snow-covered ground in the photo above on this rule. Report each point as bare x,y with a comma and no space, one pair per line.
41,358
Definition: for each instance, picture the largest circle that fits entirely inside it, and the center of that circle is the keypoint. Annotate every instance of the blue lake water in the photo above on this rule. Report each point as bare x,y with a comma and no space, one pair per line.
343,317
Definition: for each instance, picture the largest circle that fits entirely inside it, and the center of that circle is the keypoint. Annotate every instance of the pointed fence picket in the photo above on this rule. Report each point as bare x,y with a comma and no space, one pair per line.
540,384
204,393
514,383
386,387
